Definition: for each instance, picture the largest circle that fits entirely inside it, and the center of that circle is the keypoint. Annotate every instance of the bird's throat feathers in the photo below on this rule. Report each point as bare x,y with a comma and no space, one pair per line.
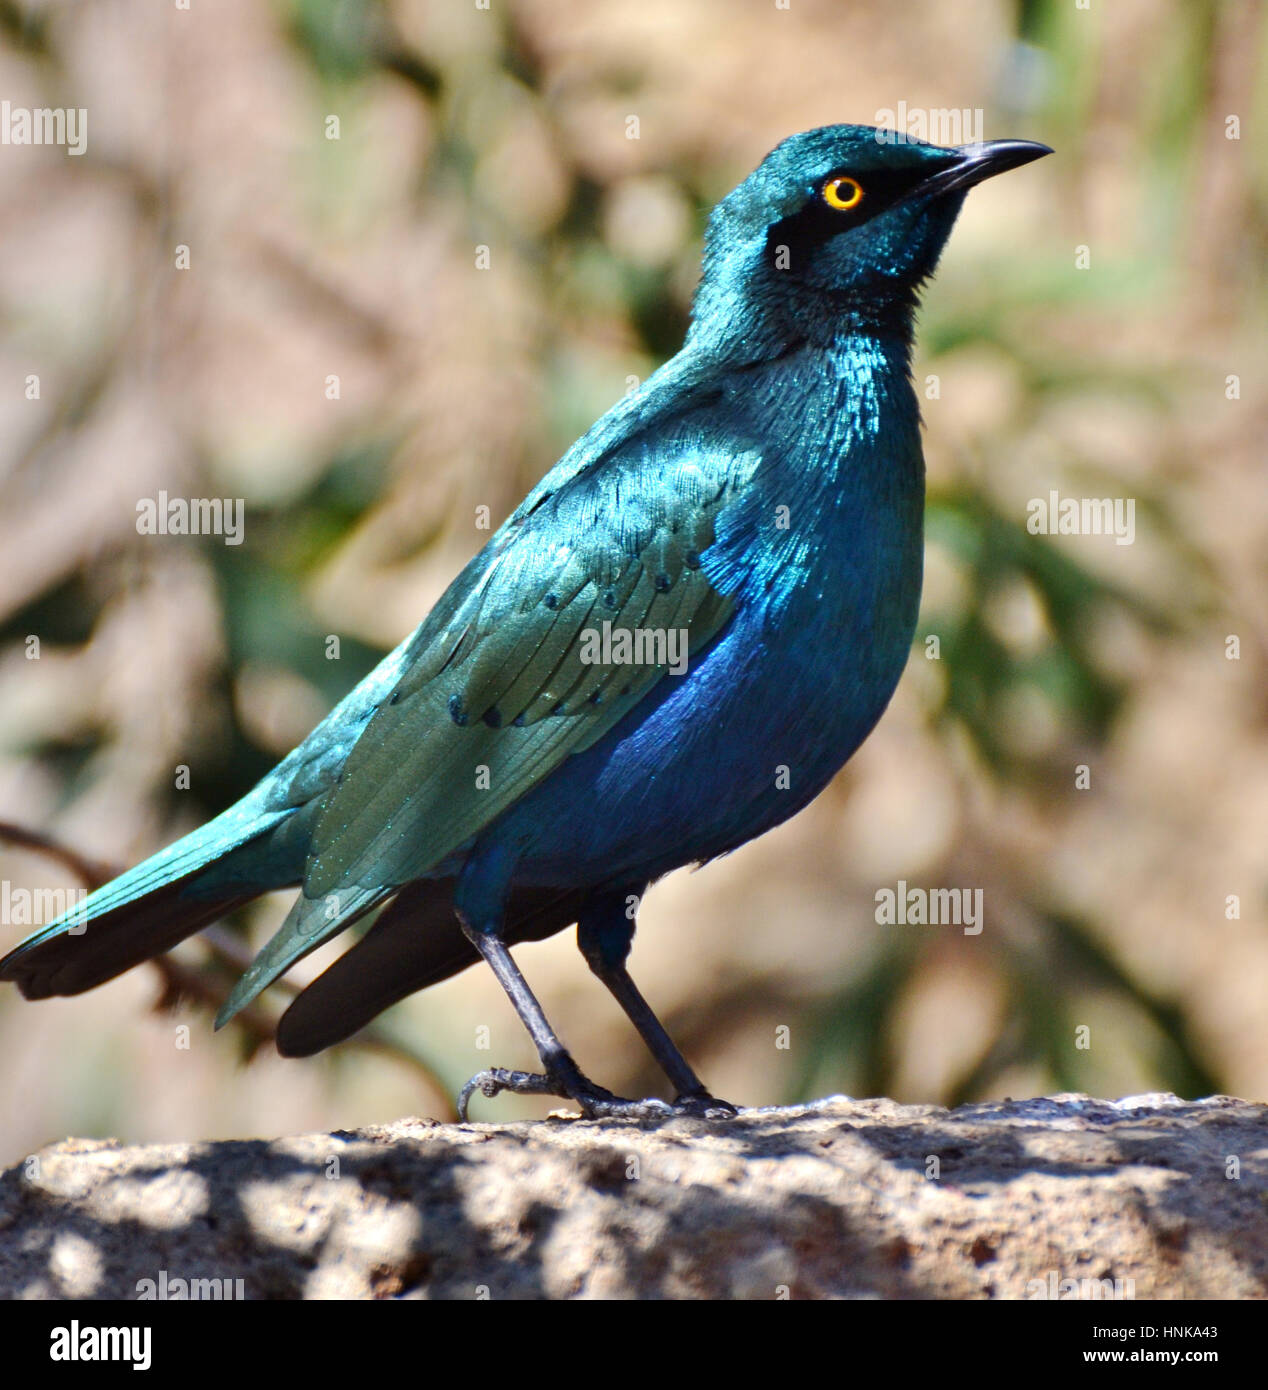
743,318
852,423
846,487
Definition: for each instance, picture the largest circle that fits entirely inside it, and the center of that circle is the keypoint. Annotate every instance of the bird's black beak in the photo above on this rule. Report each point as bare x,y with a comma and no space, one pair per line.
973,163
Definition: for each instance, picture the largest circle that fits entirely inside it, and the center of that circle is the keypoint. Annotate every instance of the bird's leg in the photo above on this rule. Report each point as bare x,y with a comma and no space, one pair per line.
560,1075
480,903
605,931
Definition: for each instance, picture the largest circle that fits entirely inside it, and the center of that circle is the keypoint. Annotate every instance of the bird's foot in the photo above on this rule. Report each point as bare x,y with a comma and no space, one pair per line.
704,1106
494,1080
567,1081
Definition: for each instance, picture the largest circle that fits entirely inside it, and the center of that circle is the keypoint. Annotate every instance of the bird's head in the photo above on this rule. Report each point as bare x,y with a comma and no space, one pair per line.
836,228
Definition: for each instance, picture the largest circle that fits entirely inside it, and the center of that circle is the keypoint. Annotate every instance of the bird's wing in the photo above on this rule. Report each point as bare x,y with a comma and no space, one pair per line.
508,677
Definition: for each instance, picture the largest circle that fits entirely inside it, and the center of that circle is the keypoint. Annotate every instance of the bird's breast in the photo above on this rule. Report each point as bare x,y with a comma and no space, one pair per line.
820,549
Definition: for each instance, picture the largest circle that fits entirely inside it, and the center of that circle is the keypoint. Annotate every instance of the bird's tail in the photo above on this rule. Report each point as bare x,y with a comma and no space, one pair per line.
187,886
416,941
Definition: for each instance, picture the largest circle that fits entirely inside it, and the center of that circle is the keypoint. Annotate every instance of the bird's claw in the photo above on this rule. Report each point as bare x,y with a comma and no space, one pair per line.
705,1106
494,1080
595,1103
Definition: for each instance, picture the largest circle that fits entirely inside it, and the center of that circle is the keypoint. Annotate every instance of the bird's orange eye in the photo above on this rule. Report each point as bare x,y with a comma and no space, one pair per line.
844,193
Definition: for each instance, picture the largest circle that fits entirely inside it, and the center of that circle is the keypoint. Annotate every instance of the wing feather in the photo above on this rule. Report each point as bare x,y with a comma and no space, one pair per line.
501,683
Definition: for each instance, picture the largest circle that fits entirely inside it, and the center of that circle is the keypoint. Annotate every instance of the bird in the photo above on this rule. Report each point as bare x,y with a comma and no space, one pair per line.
670,647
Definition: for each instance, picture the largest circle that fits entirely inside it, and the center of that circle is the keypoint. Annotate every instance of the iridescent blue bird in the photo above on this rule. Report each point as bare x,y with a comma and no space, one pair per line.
536,753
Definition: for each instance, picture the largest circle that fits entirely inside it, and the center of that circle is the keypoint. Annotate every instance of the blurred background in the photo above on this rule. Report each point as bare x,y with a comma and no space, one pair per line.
1097,327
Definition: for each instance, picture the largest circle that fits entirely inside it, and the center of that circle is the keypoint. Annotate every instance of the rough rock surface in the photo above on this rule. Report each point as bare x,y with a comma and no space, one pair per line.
840,1198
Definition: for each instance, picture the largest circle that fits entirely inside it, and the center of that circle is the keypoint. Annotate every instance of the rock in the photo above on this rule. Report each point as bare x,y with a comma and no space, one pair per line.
1147,1197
